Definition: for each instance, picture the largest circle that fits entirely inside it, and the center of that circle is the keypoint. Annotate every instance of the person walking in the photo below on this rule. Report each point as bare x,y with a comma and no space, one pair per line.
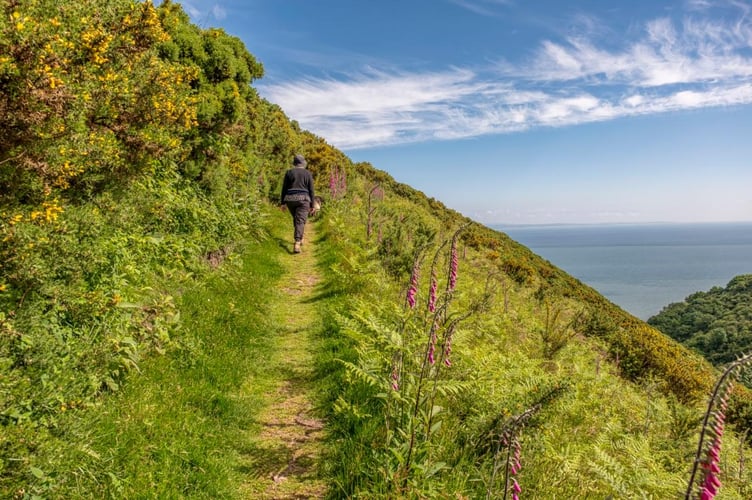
297,195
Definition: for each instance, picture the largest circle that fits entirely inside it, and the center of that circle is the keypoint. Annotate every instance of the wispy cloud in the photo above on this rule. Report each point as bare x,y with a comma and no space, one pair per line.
670,67
202,12
218,12
702,51
483,7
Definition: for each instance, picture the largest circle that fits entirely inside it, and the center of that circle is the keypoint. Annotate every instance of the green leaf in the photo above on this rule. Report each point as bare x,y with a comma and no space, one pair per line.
128,341
438,466
397,455
128,305
436,410
37,472
435,427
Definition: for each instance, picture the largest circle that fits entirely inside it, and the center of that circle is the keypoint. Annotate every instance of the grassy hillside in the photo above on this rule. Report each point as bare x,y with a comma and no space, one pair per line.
601,403
138,163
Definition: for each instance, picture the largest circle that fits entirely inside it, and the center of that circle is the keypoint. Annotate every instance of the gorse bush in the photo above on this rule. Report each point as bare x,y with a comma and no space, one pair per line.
87,99
133,148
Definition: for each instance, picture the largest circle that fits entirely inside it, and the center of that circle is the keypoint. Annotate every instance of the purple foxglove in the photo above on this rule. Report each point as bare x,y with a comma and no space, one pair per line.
432,292
413,289
516,486
453,267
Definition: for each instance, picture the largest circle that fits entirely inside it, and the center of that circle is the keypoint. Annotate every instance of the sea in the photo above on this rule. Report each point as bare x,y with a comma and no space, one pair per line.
643,267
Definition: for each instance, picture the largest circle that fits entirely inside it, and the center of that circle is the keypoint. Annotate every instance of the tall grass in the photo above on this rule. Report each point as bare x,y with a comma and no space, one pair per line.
527,407
175,430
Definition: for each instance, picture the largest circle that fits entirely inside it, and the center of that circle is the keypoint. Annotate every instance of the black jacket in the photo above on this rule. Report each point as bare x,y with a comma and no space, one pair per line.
298,180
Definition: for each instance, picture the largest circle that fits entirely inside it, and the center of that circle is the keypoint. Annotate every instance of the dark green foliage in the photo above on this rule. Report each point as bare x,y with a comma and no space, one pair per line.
129,161
717,323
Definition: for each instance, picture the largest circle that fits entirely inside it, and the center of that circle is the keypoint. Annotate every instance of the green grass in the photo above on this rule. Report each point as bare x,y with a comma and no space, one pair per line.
176,429
600,436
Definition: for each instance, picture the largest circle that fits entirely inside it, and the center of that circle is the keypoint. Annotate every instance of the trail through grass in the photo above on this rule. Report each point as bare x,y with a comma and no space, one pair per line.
228,413
282,457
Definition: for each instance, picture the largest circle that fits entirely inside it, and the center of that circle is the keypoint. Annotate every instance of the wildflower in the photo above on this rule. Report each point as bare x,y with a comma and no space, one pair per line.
411,294
413,289
711,483
337,183
52,210
432,292
343,182
432,344
453,266
447,351
515,467
706,494
395,379
333,184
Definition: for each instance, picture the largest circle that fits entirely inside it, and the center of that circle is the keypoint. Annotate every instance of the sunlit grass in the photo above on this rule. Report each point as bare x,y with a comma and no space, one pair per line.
176,429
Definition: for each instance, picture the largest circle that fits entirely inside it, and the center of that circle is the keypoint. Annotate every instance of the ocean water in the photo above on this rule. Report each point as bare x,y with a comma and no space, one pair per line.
643,267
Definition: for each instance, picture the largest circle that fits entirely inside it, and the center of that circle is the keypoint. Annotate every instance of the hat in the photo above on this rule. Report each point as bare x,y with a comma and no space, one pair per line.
299,161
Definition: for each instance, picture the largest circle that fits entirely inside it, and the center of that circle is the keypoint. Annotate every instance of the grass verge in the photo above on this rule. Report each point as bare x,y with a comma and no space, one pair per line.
176,429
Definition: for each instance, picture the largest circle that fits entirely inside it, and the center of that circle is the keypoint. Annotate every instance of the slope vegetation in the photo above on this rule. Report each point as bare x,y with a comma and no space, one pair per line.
137,169
717,323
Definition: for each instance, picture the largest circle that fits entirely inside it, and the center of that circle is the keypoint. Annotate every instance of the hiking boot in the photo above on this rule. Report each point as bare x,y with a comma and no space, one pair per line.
296,247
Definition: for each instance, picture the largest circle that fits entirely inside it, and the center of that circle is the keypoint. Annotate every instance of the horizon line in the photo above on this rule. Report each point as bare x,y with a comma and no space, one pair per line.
496,225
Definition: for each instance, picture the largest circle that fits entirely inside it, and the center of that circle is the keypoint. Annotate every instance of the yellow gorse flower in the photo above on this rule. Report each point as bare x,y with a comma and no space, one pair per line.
49,213
52,210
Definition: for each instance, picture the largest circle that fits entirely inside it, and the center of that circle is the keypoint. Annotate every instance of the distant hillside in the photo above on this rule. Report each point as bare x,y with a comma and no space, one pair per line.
717,323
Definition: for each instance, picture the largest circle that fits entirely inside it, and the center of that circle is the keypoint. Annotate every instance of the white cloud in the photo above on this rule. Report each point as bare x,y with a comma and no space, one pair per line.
702,51
218,12
482,7
192,11
699,4
699,63
634,100
201,11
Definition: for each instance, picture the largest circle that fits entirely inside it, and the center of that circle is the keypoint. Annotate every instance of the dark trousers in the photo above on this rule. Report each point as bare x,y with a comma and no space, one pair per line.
299,211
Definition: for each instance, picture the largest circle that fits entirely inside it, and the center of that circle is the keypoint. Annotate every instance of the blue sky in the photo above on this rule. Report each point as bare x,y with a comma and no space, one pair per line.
522,111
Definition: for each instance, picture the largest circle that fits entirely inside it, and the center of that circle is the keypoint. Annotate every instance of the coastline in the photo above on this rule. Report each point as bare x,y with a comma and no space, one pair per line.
643,267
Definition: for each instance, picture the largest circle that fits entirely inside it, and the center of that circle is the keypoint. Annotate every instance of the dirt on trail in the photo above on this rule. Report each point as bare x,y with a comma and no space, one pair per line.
287,448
